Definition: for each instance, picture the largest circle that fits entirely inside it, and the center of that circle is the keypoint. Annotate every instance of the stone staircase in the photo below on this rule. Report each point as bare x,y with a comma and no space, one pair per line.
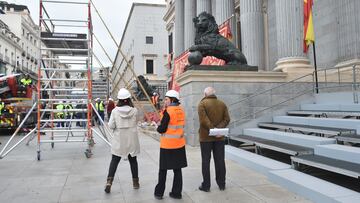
322,135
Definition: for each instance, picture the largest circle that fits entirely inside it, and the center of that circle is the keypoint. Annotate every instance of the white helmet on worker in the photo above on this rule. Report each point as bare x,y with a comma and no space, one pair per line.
97,99
123,94
172,93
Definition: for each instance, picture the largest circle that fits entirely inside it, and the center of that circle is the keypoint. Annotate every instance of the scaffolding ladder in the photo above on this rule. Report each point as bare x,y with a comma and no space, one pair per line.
57,100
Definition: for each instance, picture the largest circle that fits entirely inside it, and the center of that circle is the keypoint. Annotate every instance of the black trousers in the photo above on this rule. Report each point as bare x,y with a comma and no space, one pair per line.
177,183
115,162
218,149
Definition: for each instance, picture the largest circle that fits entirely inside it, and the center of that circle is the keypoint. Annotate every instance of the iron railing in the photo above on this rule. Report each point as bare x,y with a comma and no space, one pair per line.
268,101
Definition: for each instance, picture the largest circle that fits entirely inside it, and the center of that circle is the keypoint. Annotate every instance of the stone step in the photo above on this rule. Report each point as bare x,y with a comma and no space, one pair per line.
256,162
331,107
313,188
289,138
341,152
321,122
336,98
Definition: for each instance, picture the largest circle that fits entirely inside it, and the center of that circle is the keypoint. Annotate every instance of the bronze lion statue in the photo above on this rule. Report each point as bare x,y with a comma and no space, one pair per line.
209,42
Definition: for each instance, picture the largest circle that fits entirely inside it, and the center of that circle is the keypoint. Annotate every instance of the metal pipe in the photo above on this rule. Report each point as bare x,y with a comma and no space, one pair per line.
98,134
356,99
18,128
15,145
64,2
101,120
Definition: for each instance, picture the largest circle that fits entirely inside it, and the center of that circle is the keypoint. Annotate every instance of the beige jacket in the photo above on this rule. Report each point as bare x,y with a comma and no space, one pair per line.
124,125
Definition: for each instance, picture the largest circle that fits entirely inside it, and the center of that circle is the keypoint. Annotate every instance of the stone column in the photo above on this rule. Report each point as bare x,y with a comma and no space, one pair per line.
348,33
213,7
203,5
179,27
252,32
189,31
224,9
289,28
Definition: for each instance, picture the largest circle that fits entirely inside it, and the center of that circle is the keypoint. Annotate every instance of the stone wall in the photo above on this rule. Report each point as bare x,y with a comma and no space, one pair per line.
232,87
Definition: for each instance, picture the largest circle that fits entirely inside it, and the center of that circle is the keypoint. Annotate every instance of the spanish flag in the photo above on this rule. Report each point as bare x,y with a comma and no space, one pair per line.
309,36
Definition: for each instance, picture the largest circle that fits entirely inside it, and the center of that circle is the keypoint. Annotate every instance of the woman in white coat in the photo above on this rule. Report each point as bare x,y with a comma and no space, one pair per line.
125,143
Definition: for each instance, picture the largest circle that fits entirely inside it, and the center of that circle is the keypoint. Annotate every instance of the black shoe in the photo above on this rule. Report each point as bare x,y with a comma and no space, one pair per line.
158,197
204,189
172,195
222,188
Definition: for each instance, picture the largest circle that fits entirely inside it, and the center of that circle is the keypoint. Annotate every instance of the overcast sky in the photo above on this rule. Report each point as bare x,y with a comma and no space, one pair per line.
114,13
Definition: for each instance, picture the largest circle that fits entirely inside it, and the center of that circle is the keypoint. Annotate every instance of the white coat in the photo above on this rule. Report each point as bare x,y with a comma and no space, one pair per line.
124,125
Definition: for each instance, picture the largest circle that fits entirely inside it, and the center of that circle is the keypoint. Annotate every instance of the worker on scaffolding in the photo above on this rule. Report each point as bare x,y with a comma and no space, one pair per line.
100,108
60,113
69,113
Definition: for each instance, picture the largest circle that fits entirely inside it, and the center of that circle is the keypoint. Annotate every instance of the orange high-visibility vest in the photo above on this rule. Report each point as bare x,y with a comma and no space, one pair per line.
174,138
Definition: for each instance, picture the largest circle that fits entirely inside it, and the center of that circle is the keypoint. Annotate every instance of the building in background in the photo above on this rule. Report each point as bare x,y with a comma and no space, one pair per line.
20,23
270,32
144,42
9,50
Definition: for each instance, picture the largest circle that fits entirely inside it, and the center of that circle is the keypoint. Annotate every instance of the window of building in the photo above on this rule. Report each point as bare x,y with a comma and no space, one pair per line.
149,66
23,32
171,43
149,40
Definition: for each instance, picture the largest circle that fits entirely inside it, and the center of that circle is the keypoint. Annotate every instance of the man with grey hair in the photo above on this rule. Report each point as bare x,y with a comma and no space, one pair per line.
213,113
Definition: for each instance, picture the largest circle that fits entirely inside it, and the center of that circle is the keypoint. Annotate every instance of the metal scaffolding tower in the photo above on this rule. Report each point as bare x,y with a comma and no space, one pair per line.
64,88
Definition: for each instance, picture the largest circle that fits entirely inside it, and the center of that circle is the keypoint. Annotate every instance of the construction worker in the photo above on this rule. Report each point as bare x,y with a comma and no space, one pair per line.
26,81
26,85
172,145
69,113
155,100
125,143
2,108
60,114
100,108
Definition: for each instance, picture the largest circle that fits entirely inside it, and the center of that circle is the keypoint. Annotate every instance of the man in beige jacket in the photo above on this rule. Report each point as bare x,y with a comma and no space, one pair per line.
213,113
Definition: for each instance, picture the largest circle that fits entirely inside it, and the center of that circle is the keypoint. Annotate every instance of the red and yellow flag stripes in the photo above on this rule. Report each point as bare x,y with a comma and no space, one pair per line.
309,36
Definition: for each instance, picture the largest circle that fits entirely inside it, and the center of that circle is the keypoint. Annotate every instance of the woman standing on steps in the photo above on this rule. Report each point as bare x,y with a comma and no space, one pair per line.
125,143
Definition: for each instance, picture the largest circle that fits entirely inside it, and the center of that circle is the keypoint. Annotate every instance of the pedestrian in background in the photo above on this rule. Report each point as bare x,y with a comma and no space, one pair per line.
213,113
172,146
125,143
110,106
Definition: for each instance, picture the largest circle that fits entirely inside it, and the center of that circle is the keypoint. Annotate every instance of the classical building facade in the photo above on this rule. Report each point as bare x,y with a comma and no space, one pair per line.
19,22
10,50
144,42
270,32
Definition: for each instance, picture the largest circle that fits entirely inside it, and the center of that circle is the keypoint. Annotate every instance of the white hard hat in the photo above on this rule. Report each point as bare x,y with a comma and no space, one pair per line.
123,94
97,99
172,93
110,99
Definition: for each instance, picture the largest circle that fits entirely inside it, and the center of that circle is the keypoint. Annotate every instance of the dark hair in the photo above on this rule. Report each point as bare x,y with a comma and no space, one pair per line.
125,102
174,100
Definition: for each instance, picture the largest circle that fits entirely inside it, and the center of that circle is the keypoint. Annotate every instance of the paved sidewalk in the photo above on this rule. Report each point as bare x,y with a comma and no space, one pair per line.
65,175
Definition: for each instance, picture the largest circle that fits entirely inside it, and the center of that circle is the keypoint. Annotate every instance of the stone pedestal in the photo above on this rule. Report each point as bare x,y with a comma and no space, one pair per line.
230,86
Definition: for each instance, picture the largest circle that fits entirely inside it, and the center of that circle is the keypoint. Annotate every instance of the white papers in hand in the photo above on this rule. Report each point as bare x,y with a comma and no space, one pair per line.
219,131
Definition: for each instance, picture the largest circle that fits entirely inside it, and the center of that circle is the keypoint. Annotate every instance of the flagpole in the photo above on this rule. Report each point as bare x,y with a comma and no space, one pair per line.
316,74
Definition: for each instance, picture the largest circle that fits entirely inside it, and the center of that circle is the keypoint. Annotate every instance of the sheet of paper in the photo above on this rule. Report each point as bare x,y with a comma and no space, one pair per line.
218,131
